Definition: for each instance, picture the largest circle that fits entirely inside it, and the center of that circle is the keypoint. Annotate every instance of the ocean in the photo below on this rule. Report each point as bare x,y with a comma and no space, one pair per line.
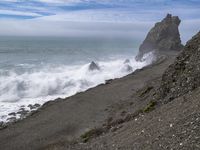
34,70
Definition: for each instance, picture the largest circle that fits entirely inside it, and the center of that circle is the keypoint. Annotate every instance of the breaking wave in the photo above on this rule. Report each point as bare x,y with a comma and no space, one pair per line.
50,82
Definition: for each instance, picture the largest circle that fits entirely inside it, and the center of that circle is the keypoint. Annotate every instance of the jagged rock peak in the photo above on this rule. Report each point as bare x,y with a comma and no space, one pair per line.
93,66
183,75
172,19
164,36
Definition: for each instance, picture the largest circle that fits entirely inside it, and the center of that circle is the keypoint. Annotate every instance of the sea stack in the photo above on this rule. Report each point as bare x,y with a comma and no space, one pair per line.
93,66
164,36
183,75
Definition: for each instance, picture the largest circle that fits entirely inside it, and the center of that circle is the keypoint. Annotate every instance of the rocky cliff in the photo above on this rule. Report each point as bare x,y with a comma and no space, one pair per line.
183,75
164,36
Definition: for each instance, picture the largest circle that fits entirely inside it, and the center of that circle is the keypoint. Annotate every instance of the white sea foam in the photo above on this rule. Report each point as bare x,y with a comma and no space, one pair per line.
50,82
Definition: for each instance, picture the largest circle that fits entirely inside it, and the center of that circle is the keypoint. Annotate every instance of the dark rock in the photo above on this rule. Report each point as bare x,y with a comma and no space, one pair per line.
127,61
123,113
12,119
93,66
164,36
1,124
12,114
37,105
22,109
128,68
31,106
23,113
109,81
34,106
183,75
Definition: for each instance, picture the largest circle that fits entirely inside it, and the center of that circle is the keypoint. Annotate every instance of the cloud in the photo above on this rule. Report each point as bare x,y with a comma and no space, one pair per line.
19,13
60,1
76,29
189,28
99,10
90,17
136,30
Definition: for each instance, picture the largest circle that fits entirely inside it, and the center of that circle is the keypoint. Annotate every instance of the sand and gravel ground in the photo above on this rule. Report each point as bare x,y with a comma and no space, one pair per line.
117,115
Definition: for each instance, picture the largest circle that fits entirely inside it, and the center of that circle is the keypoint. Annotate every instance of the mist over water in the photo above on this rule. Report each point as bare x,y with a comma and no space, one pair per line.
38,69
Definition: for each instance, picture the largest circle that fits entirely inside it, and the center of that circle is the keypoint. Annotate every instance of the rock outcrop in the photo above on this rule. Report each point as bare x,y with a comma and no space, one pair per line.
183,75
127,61
93,66
164,36
127,67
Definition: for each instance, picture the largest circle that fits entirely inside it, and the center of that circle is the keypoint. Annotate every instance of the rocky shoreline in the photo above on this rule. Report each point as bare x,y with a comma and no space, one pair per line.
21,114
156,107
105,108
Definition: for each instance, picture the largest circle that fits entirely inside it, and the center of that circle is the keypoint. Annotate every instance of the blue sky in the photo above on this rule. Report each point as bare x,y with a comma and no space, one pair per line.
98,10
24,16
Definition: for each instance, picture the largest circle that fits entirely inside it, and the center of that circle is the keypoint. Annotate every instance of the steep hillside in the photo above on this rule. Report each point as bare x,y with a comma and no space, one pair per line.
151,125
183,75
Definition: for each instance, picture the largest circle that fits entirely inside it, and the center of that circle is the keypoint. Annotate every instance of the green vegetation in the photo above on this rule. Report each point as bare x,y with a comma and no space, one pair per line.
91,134
145,91
150,106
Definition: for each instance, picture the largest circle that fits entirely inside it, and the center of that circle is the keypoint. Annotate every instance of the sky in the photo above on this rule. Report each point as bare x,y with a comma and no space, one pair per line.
92,17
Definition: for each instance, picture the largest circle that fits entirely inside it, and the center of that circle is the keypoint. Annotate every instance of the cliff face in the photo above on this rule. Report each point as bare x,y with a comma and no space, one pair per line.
164,36
183,75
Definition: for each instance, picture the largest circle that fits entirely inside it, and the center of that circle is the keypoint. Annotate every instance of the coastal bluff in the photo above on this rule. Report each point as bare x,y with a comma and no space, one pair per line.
164,36
183,75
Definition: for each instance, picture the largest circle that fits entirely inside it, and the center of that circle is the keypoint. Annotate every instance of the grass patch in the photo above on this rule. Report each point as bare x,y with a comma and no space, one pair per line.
145,91
92,134
150,106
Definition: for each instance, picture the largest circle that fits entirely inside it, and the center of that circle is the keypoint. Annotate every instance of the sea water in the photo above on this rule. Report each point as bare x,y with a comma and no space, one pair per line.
34,70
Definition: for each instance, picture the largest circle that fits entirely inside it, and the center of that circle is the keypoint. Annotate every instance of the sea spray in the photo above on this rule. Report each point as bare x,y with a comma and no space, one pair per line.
50,82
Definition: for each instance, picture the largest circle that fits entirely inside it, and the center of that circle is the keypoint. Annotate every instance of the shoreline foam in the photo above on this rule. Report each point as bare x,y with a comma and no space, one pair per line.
55,80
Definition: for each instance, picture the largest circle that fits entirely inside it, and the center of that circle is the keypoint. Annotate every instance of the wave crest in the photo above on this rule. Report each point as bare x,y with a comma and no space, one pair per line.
50,82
